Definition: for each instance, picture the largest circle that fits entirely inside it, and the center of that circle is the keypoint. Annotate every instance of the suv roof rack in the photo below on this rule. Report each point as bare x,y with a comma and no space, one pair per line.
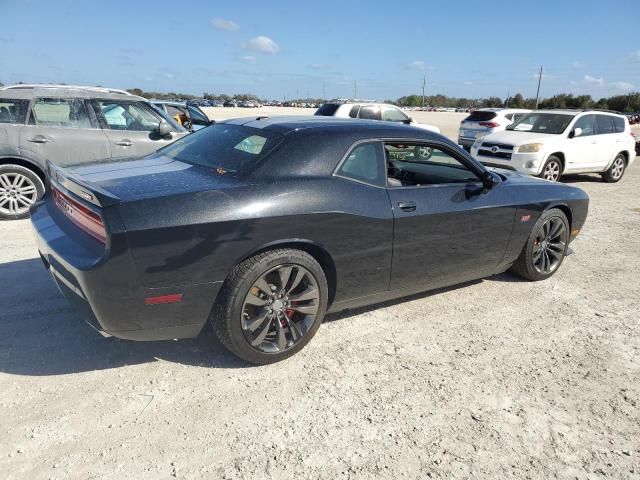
584,110
33,86
352,100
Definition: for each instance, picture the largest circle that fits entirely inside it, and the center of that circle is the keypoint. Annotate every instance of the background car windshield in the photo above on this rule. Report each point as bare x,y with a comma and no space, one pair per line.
554,123
233,148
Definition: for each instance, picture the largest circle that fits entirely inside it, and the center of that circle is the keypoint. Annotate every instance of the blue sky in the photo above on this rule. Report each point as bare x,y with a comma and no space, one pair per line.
286,48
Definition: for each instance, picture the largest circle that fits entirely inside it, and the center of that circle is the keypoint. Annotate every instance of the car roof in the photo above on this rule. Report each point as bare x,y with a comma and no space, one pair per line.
168,102
285,124
29,91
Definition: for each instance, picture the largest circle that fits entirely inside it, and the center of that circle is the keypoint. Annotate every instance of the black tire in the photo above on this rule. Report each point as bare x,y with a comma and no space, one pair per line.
525,266
14,202
552,170
616,170
228,316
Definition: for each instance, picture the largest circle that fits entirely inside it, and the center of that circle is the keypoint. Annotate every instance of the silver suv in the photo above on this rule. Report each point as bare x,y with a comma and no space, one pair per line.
69,125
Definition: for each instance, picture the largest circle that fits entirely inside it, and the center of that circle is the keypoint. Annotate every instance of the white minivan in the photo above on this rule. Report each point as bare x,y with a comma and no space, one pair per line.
551,143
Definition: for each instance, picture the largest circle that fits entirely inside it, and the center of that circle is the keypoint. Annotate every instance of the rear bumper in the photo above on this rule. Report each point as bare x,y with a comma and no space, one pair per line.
102,283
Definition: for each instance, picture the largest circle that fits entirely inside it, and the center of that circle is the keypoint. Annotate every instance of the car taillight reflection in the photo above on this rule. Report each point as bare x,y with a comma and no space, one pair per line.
80,215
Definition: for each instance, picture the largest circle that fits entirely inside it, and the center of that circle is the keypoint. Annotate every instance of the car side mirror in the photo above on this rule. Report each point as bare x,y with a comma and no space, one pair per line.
164,128
576,132
490,180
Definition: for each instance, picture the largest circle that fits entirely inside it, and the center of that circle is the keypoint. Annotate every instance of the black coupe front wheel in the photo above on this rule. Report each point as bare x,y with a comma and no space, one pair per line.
546,247
271,305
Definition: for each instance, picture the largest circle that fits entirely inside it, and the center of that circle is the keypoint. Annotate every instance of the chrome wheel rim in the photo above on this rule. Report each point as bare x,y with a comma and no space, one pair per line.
618,168
280,308
552,171
549,245
17,193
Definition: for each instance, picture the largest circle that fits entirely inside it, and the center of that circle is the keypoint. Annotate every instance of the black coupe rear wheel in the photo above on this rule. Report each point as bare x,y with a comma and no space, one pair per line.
271,305
546,247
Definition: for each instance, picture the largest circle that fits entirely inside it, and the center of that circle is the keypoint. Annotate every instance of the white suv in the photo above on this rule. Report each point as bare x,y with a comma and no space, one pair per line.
554,142
369,111
485,121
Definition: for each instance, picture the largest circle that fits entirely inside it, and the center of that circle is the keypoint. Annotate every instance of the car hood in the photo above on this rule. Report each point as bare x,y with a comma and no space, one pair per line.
153,176
511,137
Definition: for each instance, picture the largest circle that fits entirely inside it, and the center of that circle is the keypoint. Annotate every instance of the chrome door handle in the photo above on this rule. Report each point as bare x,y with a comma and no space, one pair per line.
39,139
407,206
124,143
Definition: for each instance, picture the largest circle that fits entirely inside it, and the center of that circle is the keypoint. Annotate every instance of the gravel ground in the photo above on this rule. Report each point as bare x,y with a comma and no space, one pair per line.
495,379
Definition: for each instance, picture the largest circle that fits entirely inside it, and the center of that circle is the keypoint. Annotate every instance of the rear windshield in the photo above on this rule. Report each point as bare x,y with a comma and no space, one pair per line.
13,111
327,110
554,123
232,149
480,116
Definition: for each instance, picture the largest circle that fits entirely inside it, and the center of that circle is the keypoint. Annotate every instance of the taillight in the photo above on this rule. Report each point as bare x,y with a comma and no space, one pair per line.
489,124
86,219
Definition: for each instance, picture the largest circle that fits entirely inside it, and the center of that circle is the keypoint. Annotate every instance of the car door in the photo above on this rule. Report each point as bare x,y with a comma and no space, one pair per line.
63,131
609,142
131,127
447,228
581,150
13,114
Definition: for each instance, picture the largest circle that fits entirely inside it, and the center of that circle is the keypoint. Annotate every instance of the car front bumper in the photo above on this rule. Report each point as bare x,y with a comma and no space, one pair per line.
529,163
102,283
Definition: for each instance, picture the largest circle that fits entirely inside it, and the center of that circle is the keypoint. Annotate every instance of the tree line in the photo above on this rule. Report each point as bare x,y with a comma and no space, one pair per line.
621,103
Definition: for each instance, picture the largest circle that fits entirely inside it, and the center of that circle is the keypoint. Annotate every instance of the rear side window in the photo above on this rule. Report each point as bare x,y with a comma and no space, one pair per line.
229,149
60,112
586,124
618,124
480,116
327,110
13,111
353,113
364,163
604,124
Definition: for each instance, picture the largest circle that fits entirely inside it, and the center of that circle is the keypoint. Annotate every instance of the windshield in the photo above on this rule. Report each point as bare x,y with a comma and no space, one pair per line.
232,149
554,123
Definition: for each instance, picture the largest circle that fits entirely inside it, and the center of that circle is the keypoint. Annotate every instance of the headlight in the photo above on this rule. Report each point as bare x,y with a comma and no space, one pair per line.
530,148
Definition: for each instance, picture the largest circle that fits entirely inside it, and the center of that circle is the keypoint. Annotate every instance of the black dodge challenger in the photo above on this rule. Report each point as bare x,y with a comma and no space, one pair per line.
263,225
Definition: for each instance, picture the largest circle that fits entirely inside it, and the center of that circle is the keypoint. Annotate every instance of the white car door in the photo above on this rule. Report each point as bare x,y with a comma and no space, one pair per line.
609,142
580,151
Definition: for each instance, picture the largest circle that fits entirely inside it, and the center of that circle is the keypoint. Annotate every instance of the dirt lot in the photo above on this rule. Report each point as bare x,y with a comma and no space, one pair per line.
495,379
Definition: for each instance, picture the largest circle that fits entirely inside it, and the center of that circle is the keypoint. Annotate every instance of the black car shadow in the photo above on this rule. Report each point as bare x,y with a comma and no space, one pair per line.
41,334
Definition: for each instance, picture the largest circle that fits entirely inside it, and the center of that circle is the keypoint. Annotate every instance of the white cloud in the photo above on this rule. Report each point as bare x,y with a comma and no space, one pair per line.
248,58
317,66
545,76
468,82
636,56
577,64
593,80
168,75
148,79
624,86
417,65
222,24
263,44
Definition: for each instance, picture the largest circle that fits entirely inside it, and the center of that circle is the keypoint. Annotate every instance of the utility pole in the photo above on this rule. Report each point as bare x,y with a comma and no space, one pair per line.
324,91
307,93
424,83
506,103
355,89
538,93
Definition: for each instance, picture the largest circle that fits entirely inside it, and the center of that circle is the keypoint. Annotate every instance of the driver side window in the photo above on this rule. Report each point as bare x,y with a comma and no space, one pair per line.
419,164
128,116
